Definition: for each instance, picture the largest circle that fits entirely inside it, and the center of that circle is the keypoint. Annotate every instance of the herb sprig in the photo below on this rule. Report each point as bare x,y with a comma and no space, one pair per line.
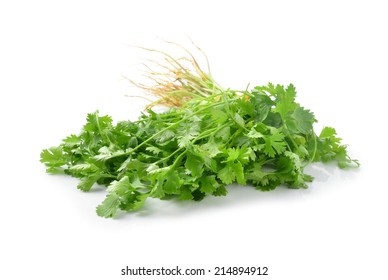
210,138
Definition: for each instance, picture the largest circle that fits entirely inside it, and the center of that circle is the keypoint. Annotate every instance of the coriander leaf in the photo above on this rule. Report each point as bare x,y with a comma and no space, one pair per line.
220,191
231,172
262,104
185,193
121,187
87,183
194,165
239,120
53,157
211,148
155,150
219,116
208,184
172,182
223,134
253,133
72,141
274,143
139,201
165,136
226,174
285,100
96,123
238,172
109,206
304,120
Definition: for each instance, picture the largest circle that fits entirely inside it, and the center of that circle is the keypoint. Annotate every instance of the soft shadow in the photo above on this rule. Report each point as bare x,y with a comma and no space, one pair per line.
323,171
237,195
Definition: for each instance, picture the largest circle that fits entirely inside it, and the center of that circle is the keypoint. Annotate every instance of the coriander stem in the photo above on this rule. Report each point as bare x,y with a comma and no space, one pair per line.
169,156
177,160
315,150
169,127
289,135
212,131
104,137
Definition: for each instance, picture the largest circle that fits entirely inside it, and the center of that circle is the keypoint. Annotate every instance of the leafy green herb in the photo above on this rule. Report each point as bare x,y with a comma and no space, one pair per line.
215,137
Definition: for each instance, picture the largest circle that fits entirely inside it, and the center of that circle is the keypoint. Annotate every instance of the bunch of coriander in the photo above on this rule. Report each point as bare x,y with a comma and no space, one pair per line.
209,138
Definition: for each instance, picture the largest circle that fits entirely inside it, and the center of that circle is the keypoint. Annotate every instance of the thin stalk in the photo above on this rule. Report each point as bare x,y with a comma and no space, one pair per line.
315,150
167,128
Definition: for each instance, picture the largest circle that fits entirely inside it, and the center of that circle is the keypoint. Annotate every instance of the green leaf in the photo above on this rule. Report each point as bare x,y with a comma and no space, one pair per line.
72,141
219,116
253,133
157,190
53,157
238,171
231,172
155,150
87,183
239,120
243,154
220,191
172,182
185,140
96,123
226,175
262,104
274,143
223,134
233,154
185,193
83,169
109,206
208,184
304,120
165,136
211,148
327,132
256,174
139,202
285,100
121,187
194,165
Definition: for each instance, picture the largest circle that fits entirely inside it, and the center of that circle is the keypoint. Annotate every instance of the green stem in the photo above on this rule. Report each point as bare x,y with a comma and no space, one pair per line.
315,150
169,156
103,135
289,135
211,132
167,128
178,159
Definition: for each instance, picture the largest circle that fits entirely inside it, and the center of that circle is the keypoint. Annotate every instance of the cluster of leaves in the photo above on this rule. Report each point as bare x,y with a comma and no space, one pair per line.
261,137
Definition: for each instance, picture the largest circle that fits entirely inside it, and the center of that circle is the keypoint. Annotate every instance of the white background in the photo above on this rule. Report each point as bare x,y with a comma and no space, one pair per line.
60,60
